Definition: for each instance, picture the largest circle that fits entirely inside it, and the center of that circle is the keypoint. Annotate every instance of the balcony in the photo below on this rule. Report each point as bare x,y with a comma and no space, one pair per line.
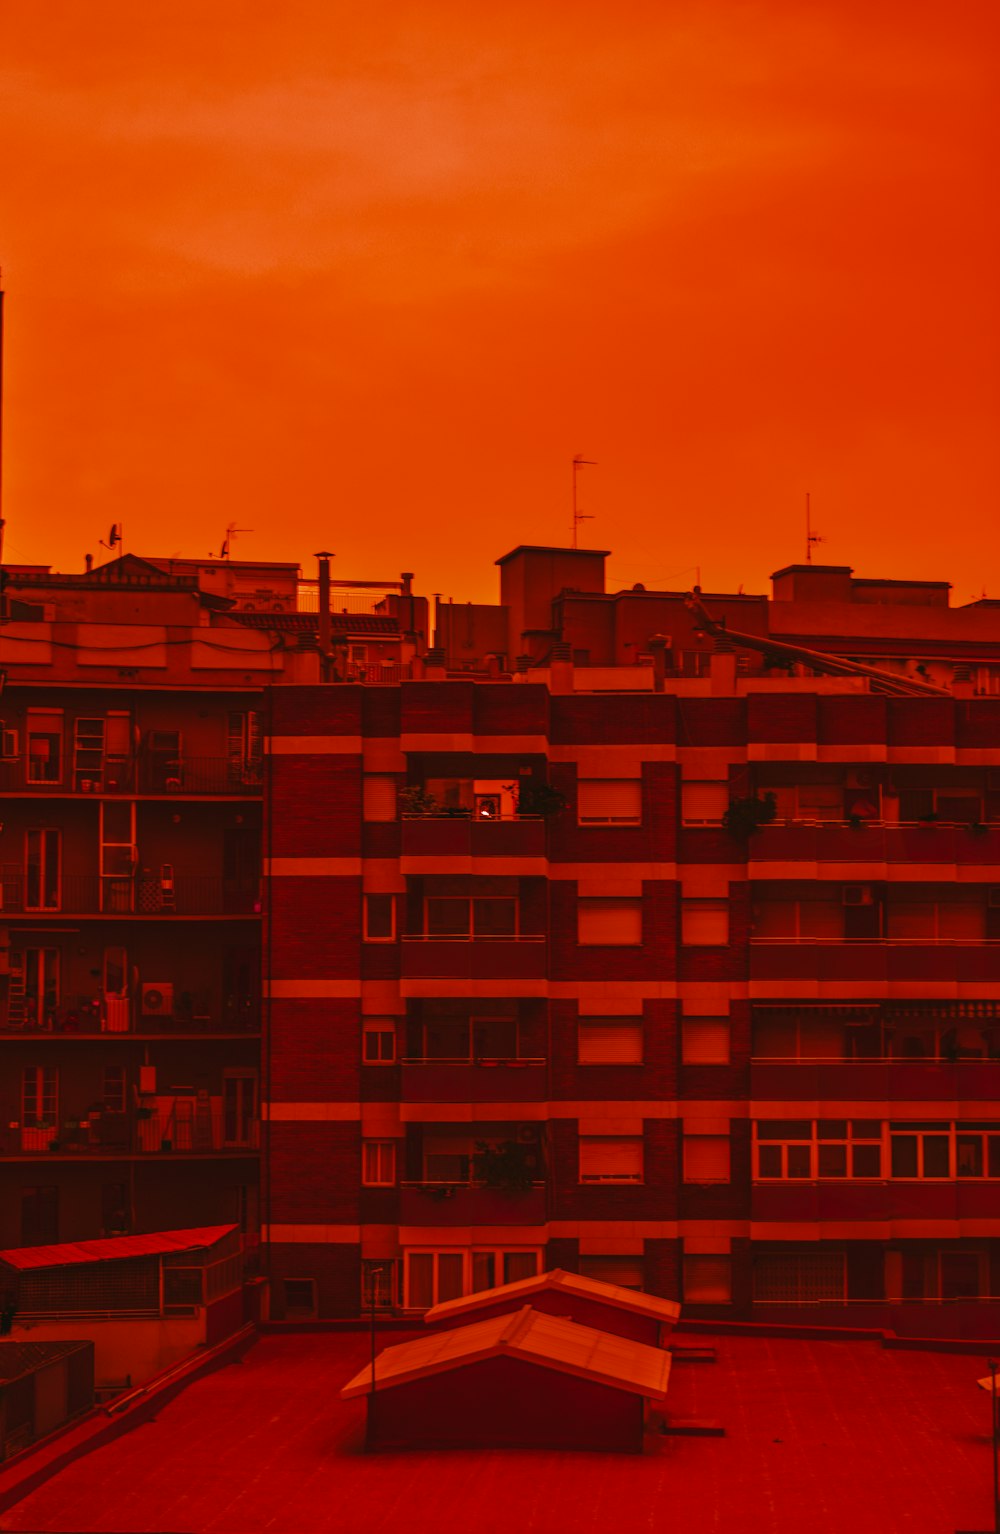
426,1203
142,895
212,776
426,956
119,1018
954,960
160,1131
931,841
883,1080
885,1200
474,1081
446,836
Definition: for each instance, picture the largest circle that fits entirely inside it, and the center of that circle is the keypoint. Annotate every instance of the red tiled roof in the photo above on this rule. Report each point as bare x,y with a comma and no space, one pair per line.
112,1248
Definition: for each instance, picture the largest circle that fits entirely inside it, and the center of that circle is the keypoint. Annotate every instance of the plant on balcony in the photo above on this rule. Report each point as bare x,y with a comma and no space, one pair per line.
745,816
538,799
414,800
507,1167
977,828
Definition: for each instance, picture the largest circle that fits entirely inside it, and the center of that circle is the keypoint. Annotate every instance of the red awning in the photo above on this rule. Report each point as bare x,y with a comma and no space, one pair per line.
114,1248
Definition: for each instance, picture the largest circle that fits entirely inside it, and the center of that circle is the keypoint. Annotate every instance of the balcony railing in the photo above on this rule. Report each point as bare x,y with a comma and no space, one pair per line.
432,956
220,775
141,895
90,1021
477,1081
162,1132
458,1203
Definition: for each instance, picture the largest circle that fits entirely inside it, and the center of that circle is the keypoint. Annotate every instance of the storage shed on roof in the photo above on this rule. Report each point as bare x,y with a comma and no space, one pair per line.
522,1380
625,1312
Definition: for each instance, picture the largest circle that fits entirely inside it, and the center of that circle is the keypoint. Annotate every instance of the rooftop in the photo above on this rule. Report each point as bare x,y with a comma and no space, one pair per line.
108,1248
821,1435
569,1283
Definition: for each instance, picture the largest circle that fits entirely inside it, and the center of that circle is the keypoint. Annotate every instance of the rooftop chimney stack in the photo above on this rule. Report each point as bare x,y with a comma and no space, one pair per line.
324,557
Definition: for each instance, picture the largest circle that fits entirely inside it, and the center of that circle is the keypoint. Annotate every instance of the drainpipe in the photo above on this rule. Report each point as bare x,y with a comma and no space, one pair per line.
324,557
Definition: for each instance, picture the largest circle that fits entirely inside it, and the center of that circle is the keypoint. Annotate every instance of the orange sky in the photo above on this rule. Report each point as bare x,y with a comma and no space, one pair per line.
368,275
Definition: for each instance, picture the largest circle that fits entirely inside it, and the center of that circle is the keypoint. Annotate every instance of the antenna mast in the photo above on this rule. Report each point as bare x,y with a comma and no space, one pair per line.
811,537
579,462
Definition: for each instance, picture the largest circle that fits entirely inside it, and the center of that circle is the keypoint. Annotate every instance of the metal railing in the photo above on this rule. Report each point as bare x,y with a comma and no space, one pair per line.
144,775
124,895
162,1132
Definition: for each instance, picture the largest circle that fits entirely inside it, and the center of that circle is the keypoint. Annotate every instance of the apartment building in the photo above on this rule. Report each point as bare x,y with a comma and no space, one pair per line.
132,779
649,935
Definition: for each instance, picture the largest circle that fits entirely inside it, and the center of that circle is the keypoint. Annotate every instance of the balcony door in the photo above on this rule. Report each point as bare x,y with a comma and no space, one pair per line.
42,858
119,856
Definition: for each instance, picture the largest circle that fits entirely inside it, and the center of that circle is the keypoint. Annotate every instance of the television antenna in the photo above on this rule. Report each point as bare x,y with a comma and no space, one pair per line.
811,537
579,462
231,532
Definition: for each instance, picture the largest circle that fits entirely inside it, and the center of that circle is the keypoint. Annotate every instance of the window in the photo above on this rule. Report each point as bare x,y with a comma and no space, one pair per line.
705,922
378,1283
609,923
704,804
705,1040
378,1163
239,1108
39,1096
300,1298
38,969
379,796
609,801
379,1041
380,918
627,1272
9,743
113,1089
708,1280
920,1150
610,1040
813,1150
470,916
432,1277
41,870
706,1157
45,738
932,921
815,1033
39,1216
812,801
611,1158
799,1278
963,1275
815,920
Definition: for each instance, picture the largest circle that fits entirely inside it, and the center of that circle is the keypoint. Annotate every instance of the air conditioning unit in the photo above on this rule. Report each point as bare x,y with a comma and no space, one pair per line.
856,894
860,777
157,998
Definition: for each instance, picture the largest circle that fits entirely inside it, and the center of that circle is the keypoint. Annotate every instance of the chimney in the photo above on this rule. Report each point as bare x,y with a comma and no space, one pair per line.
324,557
88,562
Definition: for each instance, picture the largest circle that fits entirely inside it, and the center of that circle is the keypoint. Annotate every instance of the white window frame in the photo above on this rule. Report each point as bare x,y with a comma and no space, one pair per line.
466,1253
471,934
813,1140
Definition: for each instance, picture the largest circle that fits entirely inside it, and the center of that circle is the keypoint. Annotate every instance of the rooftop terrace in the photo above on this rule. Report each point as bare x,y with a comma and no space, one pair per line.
829,1436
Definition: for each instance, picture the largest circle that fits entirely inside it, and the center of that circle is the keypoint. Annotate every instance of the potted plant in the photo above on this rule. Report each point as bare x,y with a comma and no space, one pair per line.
506,1167
540,799
416,801
745,816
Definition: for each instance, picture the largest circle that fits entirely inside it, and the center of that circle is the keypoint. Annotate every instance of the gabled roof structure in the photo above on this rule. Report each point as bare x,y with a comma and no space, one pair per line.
664,1311
535,1338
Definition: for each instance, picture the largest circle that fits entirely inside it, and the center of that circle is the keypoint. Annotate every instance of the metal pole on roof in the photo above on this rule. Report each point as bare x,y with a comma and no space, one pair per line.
373,1275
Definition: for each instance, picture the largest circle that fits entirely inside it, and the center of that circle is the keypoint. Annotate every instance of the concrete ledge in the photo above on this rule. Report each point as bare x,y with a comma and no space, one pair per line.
29,1469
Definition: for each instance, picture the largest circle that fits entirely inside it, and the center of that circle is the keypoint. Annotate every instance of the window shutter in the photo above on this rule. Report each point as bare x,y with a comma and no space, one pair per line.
704,802
705,1040
706,1158
705,922
609,800
708,1280
611,1157
379,796
610,1041
614,923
